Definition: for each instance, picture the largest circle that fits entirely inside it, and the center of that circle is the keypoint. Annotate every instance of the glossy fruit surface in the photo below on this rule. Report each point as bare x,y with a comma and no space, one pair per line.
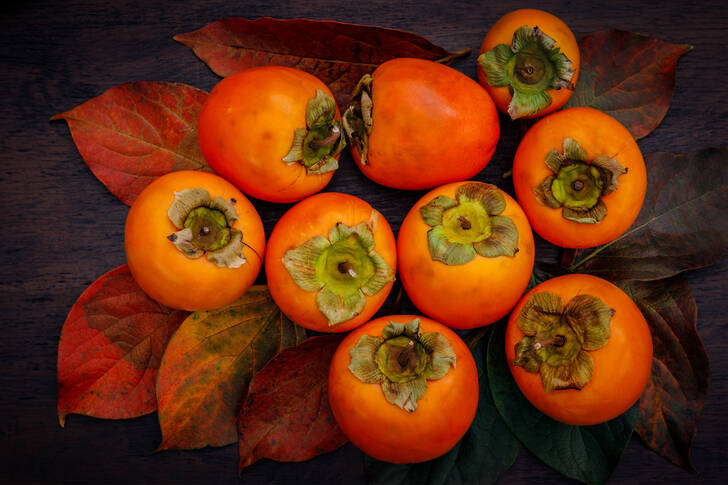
316,219
476,293
387,432
247,126
599,136
502,33
167,274
430,125
620,368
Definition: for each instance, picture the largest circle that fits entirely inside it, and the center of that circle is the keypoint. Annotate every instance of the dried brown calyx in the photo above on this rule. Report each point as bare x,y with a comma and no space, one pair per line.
558,338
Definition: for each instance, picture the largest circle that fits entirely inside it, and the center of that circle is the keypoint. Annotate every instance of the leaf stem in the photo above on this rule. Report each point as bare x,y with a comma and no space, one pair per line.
453,56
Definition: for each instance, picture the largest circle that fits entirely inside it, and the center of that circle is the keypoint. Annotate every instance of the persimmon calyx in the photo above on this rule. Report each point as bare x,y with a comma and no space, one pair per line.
578,185
530,66
205,227
558,338
357,119
317,145
342,269
469,225
402,360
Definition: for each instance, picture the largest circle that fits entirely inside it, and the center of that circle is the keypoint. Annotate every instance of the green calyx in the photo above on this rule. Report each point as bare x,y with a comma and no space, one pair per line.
530,66
357,119
578,185
342,269
558,338
317,145
206,228
469,225
402,360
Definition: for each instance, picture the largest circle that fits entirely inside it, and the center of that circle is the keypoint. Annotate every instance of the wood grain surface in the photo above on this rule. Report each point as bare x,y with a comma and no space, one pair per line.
62,228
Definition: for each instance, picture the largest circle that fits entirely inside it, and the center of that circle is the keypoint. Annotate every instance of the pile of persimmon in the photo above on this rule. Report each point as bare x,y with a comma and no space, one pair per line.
404,388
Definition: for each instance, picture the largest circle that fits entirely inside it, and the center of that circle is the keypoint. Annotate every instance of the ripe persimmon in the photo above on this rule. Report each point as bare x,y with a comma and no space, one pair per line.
580,177
331,262
529,63
193,241
465,254
579,349
273,131
403,388
418,124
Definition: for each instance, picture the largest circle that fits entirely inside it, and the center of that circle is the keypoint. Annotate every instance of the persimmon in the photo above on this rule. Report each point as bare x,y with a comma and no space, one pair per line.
465,254
273,131
579,349
417,124
331,262
403,388
580,177
193,241
529,63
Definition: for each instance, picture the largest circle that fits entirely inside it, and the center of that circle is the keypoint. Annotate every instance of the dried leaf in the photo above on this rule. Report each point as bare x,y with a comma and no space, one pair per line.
209,363
683,223
674,397
137,131
286,415
629,76
110,349
338,53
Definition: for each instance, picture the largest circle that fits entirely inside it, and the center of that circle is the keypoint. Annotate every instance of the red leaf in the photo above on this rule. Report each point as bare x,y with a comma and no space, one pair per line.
137,131
628,76
286,415
338,53
110,349
674,396
209,363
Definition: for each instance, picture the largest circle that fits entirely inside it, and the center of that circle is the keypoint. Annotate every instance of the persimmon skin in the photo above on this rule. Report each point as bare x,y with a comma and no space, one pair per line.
246,127
621,368
165,273
313,216
598,134
502,33
431,125
470,295
389,433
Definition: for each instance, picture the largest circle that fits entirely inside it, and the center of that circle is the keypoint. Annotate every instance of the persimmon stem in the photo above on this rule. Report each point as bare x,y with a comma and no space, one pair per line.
347,268
453,56
464,223
556,340
328,141
404,356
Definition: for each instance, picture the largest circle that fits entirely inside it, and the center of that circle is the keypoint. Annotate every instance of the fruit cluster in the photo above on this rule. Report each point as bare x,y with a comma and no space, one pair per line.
577,346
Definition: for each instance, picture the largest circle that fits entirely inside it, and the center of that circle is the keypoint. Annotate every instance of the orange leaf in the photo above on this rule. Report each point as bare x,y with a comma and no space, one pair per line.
110,349
137,131
209,363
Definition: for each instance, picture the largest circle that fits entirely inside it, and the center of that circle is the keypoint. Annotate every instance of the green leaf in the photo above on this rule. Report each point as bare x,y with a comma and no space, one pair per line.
487,449
674,396
628,76
683,223
585,453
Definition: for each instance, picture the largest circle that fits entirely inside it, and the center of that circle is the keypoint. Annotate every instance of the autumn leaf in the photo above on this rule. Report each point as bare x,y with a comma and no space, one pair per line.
674,397
286,415
683,223
137,131
209,363
628,76
338,53
110,349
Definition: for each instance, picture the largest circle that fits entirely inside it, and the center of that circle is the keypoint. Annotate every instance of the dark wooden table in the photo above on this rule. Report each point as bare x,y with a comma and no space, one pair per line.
61,228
